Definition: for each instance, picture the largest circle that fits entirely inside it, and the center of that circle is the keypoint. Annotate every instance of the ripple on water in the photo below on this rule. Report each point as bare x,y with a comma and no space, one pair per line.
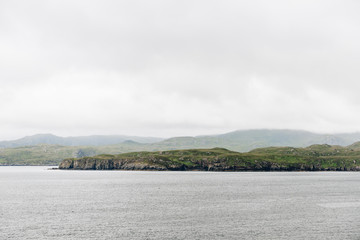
36,203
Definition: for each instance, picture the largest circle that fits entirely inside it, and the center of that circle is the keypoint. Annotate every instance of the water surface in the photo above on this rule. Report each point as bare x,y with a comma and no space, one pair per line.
36,203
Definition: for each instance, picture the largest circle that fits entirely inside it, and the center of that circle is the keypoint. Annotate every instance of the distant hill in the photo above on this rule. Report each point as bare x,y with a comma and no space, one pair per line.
42,154
47,149
247,140
95,140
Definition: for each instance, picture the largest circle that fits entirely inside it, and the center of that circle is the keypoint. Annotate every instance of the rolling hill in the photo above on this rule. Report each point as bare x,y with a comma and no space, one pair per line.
47,149
95,140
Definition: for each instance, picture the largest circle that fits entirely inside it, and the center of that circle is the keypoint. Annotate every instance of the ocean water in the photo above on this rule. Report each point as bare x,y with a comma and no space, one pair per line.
36,203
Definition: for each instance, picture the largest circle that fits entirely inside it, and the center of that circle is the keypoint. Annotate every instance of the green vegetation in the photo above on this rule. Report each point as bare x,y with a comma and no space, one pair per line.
240,141
313,158
42,154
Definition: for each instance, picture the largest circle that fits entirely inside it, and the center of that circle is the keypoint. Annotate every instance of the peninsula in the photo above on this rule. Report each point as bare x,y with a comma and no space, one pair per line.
313,158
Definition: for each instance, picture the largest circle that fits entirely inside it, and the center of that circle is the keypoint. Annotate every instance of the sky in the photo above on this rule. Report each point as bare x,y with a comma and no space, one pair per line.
175,68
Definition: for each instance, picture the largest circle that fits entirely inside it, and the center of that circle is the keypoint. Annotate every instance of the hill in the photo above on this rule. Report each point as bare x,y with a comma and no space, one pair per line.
42,154
247,140
313,158
29,152
95,140
244,140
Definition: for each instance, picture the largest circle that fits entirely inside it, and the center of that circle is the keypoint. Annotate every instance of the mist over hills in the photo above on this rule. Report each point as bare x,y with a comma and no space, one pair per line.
94,140
45,149
246,140
241,140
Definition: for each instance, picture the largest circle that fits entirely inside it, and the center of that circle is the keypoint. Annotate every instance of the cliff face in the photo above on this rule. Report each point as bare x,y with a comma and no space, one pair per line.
114,164
94,163
317,158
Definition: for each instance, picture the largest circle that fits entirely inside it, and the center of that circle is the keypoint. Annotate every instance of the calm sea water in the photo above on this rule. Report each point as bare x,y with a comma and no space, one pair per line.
36,203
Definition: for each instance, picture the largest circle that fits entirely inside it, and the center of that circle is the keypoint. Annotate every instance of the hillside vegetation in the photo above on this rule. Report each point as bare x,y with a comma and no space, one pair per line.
42,154
313,158
52,149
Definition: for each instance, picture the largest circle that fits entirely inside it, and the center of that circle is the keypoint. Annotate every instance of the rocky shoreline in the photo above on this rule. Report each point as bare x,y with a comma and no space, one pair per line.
115,165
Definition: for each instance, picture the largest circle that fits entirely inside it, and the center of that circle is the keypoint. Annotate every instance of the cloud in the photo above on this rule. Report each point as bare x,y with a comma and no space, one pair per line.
167,68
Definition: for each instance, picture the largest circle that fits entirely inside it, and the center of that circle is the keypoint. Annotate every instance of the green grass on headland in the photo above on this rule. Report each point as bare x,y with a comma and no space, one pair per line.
313,158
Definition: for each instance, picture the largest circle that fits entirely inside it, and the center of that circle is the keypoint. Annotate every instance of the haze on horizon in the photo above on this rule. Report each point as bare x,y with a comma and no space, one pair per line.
175,68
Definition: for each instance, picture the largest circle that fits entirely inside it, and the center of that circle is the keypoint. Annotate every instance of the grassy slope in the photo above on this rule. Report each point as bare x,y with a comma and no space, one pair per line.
42,154
236,141
316,157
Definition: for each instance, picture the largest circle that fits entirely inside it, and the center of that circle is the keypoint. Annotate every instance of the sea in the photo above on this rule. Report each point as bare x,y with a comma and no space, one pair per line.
38,203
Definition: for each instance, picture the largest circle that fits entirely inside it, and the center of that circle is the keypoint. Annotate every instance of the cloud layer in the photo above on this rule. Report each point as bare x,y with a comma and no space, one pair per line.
166,68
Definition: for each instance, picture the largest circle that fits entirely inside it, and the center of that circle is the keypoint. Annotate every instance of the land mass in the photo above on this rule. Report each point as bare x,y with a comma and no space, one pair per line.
94,140
313,158
47,149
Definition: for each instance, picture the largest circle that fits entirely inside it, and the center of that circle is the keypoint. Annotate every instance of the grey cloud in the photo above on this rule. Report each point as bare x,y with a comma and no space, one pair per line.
178,64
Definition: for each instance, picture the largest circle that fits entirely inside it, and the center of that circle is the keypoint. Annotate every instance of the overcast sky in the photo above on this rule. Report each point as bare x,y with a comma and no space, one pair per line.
169,68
